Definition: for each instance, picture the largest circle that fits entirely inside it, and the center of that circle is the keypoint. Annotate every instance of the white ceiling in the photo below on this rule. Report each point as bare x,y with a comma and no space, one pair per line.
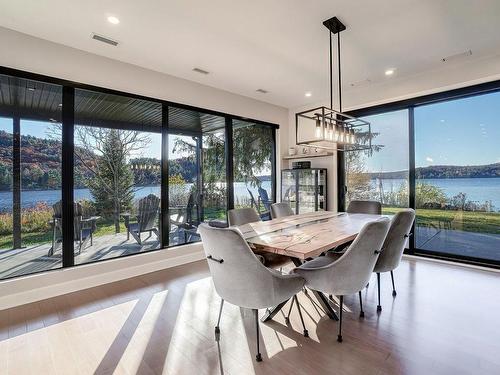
278,45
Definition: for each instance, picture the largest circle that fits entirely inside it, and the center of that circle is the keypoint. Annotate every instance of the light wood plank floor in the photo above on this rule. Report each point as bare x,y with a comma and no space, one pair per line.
444,320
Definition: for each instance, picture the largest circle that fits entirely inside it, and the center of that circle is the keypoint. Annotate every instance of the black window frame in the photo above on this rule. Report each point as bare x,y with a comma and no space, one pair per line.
68,121
410,105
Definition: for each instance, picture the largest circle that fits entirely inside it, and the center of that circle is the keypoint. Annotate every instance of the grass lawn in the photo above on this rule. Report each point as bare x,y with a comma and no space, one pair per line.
479,222
468,221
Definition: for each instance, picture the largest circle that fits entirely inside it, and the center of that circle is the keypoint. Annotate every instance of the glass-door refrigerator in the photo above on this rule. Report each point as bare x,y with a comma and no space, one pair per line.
304,189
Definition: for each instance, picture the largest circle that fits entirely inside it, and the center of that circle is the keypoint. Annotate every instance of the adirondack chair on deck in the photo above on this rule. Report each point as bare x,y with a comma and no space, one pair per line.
183,218
146,218
84,227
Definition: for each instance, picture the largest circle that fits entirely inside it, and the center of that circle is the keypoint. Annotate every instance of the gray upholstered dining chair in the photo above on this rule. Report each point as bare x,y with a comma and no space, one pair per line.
241,279
393,247
281,210
349,272
364,207
242,216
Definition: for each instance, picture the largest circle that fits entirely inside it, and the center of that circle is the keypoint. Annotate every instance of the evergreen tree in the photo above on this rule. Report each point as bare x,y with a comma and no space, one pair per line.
115,173
103,153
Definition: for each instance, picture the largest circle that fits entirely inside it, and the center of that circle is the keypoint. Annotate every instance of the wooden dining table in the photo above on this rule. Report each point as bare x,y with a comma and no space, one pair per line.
305,236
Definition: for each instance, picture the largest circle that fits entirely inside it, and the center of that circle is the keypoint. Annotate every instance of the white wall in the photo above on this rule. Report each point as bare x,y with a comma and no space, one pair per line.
23,52
446,78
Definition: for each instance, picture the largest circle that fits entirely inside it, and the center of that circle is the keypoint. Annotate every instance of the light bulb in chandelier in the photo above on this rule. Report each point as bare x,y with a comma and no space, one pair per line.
331,131
353,136
341,134
317,133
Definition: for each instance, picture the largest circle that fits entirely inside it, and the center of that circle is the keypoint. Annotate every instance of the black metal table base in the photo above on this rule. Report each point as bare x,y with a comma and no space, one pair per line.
323,300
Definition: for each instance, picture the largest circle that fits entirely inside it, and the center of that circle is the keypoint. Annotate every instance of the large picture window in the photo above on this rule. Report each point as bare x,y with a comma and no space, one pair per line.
382,173
117,175
253,155
30,174
136,174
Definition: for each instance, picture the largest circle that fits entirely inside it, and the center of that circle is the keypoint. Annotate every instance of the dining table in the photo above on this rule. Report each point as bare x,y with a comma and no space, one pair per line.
303,237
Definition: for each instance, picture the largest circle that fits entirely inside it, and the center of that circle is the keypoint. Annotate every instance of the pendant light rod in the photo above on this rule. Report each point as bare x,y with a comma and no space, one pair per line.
331,75
333,129
335,26
340,75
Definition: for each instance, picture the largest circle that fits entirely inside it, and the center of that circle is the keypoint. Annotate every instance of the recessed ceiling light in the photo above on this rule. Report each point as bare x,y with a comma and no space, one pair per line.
31,89
389,72
308,94
59,105
114,20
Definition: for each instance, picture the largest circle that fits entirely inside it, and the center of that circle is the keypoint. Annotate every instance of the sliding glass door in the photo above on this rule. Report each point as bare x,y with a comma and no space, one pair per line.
457,158
443,160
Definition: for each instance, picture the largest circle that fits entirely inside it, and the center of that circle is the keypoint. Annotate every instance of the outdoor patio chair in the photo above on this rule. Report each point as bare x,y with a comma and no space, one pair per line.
84,227
256,203
183,218
147,216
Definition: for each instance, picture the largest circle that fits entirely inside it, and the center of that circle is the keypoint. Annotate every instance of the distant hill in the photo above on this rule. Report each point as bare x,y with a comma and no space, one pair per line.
446,171
41,165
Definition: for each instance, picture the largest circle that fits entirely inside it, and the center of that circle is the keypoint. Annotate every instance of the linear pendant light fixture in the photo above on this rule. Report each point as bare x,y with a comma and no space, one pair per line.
325,127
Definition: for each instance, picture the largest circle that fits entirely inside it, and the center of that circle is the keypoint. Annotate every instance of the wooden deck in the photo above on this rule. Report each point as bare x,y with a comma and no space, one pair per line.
32,259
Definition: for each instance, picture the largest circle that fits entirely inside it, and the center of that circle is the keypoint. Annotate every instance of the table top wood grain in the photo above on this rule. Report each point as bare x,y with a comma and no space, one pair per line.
305,235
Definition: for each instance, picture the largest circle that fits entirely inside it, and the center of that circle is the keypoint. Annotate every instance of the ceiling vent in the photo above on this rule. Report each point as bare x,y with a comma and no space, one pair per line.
457,56
262,91
201,71
104,39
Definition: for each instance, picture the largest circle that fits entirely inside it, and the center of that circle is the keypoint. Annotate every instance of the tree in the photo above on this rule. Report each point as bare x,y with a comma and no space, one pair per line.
358,178
429,196
104,153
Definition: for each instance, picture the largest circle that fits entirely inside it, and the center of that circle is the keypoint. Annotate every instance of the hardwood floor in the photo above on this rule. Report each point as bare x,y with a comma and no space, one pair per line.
444,320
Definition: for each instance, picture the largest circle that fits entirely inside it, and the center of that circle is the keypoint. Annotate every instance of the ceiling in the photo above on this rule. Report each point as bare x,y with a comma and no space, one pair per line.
280,46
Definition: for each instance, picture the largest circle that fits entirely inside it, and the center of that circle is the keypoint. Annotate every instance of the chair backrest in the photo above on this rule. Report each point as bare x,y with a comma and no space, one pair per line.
193,204
395,242
264,198
240,216
253,202
364,207
352,271
78,216
147,212
238,275
281,210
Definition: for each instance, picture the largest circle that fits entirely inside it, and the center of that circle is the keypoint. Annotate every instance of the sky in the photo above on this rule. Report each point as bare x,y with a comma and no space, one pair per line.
45,129
458,132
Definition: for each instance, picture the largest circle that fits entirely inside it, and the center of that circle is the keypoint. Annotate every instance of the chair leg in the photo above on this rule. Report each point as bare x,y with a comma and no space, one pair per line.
258,357
393,287
361,313
339,337
287,318
306,333
379,307
217,329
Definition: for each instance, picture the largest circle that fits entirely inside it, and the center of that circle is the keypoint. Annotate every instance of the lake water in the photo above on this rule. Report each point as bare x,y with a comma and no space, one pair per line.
477,189
32,197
